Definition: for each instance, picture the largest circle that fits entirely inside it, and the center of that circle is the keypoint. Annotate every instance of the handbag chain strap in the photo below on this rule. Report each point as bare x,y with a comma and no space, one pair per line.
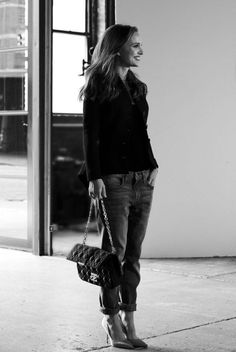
88,221
107,225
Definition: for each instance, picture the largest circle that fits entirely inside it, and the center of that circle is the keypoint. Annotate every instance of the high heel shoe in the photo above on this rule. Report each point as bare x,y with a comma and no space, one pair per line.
137,343
116,343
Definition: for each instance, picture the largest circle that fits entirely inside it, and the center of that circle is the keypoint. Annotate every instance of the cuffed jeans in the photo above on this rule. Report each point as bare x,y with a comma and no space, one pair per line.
128,204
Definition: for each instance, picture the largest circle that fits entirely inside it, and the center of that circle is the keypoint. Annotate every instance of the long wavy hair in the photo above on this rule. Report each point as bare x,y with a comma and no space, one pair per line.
101,77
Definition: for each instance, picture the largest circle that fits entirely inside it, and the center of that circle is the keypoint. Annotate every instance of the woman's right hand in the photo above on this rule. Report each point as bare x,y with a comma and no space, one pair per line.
97,189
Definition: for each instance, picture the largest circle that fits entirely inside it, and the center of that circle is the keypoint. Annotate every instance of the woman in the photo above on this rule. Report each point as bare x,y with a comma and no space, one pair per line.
120,167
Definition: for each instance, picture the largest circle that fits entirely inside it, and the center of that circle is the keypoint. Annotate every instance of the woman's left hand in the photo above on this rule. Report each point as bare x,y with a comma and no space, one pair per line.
152,176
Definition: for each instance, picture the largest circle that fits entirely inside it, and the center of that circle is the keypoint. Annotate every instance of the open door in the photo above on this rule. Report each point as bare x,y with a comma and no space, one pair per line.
70,51
74,31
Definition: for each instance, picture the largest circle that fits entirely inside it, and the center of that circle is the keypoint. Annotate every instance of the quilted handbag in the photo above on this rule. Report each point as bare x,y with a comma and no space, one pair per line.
95,265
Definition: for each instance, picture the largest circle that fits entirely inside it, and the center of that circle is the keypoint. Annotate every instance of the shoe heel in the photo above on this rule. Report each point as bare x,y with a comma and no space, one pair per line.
136,343
108,335
125,344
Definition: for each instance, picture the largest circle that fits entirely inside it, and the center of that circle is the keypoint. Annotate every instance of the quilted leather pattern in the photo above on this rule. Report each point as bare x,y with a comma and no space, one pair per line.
96,265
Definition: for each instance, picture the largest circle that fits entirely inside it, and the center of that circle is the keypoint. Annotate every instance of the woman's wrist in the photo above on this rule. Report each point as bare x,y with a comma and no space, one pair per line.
97,188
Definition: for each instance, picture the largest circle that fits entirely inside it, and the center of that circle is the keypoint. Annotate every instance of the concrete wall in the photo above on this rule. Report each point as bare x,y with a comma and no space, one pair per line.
189,64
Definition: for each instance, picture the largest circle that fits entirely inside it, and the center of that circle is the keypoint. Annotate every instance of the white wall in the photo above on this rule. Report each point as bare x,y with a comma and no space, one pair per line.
189,64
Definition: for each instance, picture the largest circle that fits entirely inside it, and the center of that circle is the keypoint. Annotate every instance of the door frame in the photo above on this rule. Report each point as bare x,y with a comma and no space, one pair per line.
40,126
42,94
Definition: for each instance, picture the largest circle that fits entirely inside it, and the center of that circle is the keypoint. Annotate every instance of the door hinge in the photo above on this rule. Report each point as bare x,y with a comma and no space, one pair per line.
53,228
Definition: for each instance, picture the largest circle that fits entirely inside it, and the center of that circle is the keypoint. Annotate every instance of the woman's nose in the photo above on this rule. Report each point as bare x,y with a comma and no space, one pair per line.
140,51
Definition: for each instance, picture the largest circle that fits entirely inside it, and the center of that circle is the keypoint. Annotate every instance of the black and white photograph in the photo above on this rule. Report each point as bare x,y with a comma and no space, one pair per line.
117,175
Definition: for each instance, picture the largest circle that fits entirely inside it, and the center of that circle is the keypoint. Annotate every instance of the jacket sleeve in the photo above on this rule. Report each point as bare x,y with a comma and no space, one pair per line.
91,132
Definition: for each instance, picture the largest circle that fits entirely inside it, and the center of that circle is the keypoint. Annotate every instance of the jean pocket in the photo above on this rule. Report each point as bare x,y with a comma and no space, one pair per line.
113,180
148,185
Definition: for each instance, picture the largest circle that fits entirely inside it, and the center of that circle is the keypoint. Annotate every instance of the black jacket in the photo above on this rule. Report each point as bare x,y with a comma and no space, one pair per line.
106,135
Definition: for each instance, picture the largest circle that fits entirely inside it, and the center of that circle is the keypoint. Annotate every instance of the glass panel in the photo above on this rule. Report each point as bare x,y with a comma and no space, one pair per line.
13,121
13,176
13,55
69,15
14,22
13,90
70,200
68,53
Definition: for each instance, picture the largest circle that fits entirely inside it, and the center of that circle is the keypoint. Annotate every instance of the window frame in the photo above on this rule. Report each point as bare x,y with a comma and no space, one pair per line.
90,33
87,34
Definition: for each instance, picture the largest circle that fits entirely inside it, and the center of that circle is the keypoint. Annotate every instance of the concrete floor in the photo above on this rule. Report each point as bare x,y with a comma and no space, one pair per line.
184,305
63,240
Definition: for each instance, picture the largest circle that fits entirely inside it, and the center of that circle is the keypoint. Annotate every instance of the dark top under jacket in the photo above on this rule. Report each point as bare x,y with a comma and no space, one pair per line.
108,139
138,157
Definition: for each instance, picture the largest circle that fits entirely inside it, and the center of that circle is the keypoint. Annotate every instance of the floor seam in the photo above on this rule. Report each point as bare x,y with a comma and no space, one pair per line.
222,274
181,274
170,332
195,276
192,327
96,348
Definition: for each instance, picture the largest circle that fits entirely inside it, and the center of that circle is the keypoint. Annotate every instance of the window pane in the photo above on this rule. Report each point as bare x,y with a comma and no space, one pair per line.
13,55
13,176
68,53
13,80
13,128
14,22
69,15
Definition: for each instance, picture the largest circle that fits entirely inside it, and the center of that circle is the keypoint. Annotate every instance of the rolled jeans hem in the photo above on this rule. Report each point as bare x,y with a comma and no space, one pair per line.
110,311
128,307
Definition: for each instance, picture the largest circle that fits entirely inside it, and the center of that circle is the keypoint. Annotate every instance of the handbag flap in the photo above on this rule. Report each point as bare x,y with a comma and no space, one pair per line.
84,255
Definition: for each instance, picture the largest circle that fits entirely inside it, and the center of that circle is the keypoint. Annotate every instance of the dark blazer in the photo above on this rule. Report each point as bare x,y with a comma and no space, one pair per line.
106,135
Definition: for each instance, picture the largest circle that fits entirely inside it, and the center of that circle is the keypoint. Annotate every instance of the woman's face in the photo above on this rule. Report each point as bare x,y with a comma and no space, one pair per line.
130,53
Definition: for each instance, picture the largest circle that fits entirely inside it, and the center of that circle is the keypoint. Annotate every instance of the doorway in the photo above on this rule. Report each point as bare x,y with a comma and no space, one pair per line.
72,37
44,51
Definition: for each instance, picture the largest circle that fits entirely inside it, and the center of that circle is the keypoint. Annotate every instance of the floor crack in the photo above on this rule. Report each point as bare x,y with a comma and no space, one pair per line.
169,332
96,348
191,327
222,274
195,276
192,275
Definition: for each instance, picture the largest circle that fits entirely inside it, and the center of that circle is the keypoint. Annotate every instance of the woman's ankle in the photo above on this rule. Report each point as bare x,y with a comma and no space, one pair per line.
114,324
111,319
127,318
